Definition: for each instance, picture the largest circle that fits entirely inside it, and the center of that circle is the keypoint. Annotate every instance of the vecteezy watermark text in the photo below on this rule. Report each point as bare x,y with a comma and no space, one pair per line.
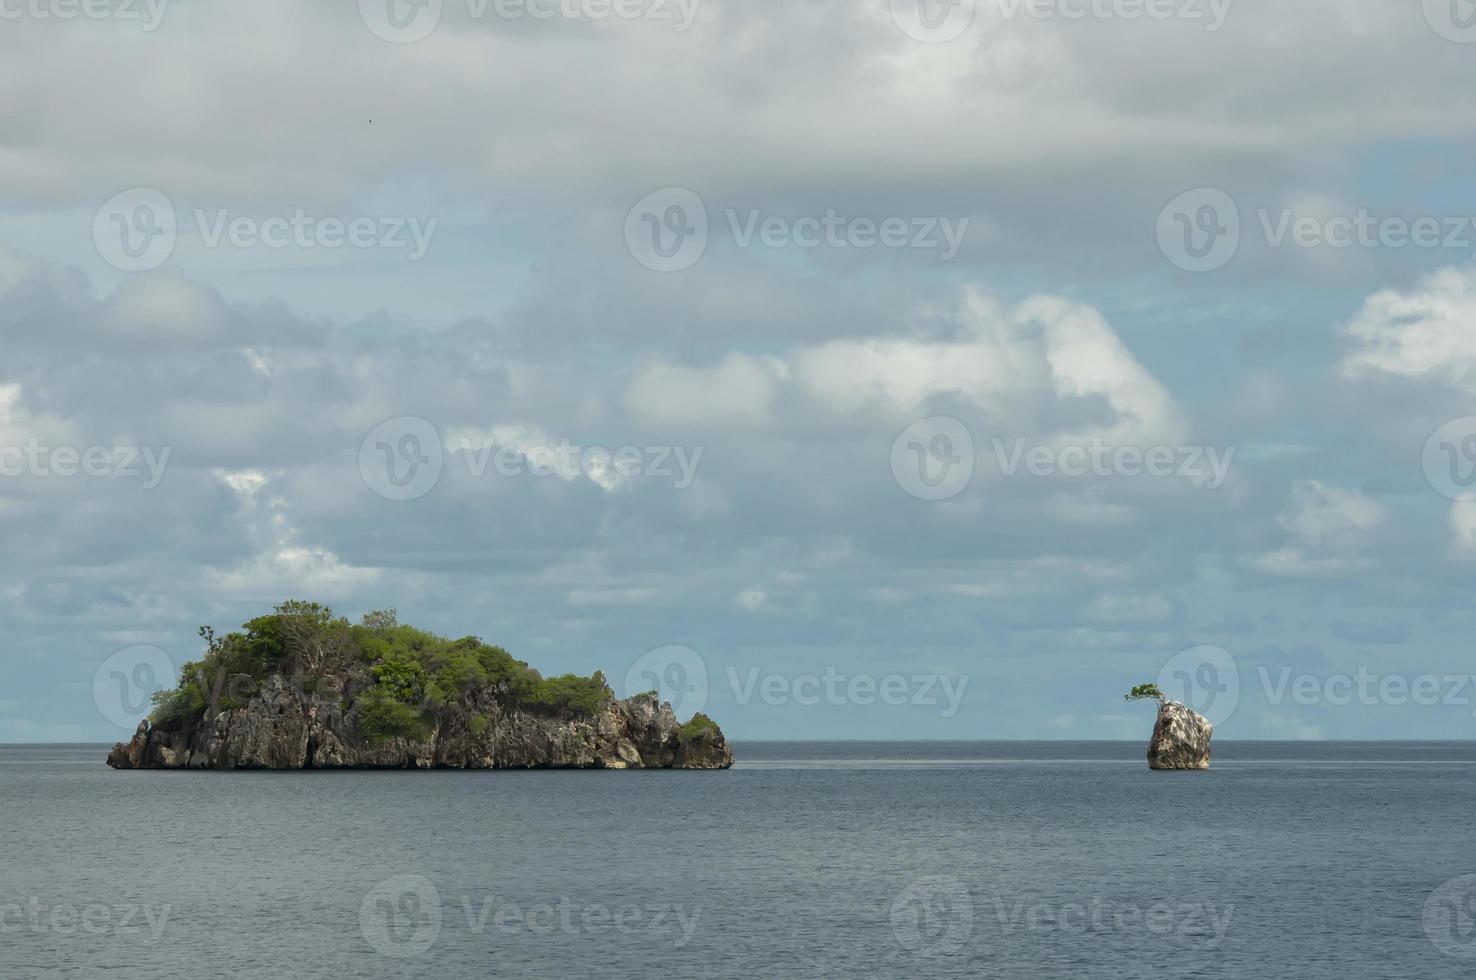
1207,466
148,13
1099,915
1208,679
835,687
940,21
669,230
404,458
934,460
594,462
1201,230
137,230
36,917
935,916
1365,687
36,459
408,21
405,916
679,674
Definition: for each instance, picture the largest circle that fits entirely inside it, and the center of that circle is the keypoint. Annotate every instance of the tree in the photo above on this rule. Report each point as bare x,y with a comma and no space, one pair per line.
313,637
381,619
1143,692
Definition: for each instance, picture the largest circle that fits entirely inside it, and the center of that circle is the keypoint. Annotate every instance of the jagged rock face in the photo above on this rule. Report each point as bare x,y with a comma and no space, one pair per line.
286,728
1181,739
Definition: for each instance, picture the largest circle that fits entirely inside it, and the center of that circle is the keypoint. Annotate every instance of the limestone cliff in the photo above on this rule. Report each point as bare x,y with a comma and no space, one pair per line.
287,729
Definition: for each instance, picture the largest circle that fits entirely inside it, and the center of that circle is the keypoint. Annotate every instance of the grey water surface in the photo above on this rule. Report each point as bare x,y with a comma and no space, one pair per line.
1024,859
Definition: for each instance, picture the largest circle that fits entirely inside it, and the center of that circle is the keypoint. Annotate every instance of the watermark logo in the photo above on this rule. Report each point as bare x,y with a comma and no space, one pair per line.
404,458
408,21
933,459
406,916
943,691
1206,466
1205,679
1450,917
1165,918
400,21
599,464
136,230
148,13
676,673
679,674
933,21
1450,459
1454,20
1363,229
1199,231
123,686
667,230
298,229
1367,688
40,461
401,459
1212,12
401,917
91,919
933,916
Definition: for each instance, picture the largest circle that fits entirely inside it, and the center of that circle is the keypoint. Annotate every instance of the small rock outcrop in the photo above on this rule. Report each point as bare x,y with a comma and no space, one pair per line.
1181,738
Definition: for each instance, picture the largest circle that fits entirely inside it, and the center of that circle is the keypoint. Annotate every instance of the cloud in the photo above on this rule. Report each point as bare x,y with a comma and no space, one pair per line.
1030,366
1328,527
739,391
529,323
1426,332
1462,523
1044,347
167,310
282,564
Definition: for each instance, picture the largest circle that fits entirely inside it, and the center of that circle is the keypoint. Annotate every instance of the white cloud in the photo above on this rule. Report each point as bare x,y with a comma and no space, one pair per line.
282,565
165,308
1114,609
1429,331
751,598
1045,350
1329,529
1462,523
1063,92
738,392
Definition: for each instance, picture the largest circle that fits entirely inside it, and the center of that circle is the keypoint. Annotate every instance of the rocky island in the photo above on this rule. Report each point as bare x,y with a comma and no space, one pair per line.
1181,735
303,689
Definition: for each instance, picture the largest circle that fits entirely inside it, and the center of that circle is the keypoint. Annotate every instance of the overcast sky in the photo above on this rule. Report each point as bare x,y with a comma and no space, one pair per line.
853,368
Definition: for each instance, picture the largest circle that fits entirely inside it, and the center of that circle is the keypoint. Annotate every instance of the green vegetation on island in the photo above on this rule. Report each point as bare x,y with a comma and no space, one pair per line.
414,672
699,727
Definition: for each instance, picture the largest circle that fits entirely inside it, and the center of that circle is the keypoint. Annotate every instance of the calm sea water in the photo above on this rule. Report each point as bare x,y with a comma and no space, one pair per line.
1032,860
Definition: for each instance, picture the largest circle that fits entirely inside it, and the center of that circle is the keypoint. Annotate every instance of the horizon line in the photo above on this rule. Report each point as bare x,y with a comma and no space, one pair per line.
967,741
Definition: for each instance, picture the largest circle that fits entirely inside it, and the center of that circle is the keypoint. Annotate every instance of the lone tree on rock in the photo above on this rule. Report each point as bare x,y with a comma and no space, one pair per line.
1143,692
1181,736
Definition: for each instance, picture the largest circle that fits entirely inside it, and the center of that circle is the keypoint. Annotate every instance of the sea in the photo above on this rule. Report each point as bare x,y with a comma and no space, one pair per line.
1039,860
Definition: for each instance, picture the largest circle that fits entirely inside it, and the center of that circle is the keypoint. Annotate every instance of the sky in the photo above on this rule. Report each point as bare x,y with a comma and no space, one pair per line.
844,369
